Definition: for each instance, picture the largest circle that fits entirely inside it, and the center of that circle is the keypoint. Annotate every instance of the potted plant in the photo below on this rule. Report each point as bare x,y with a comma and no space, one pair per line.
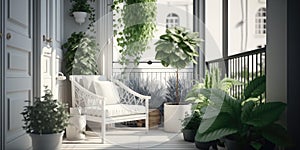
81,54
155,105
45,121
243,123
212,80
80,10
157,93
176,48
134,27
190,126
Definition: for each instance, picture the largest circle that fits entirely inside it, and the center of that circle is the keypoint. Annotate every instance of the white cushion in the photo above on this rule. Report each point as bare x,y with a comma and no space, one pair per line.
88,83
115,110
107,89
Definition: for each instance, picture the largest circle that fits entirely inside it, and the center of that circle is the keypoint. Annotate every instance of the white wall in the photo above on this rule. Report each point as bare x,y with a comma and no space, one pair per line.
213,33
242,36
241,27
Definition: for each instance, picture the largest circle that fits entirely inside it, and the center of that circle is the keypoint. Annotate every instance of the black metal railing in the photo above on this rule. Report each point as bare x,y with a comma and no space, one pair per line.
243,67
154,73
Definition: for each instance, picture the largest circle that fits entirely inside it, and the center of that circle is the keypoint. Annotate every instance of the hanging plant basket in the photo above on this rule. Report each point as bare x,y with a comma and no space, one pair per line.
80,16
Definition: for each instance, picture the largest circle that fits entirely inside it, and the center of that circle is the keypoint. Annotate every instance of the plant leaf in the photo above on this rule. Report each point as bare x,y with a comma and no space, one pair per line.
214,135
256,87
265,114
247,111
276,134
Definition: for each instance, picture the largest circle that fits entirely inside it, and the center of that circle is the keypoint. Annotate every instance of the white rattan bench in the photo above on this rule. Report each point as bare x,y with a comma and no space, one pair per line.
99,97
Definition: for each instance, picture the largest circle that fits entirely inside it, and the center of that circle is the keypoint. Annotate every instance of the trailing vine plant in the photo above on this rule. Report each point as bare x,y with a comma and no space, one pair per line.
133,28
81,54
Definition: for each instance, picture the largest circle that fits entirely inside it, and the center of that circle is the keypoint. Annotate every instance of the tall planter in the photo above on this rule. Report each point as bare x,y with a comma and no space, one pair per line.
46,141
174,114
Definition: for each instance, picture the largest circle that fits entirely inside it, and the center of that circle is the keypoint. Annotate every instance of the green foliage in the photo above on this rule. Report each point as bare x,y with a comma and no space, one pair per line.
171,89
212,80
245,121
135,28
177,47
149,88
84,6
81,54
192,122
256,88
45,116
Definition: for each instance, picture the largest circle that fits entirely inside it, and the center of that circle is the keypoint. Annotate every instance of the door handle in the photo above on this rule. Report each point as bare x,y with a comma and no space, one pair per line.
45,39
61,76
8,36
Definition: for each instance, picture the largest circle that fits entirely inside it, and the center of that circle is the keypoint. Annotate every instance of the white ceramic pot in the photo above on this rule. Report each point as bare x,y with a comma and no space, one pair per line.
173,116
80,16
76,126
46,141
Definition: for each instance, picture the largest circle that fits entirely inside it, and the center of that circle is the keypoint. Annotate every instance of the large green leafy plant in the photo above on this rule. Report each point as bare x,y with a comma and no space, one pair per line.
243,120
134,28
177,48
81,54
46,115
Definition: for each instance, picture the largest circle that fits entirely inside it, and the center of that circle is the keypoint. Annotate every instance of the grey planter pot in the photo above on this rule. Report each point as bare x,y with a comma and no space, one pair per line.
46,141
189,135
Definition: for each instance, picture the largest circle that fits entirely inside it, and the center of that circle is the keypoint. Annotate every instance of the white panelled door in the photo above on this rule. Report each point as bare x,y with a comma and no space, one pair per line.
51,33
18,69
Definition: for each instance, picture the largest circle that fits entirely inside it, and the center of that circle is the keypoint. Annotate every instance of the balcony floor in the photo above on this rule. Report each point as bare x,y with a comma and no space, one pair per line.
131,138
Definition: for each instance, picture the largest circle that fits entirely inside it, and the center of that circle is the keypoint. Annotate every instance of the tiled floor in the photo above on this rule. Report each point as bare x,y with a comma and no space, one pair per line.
129,138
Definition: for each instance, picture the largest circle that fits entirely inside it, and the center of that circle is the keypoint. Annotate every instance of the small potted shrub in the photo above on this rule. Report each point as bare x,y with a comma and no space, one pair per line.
190,126
176,48
45,121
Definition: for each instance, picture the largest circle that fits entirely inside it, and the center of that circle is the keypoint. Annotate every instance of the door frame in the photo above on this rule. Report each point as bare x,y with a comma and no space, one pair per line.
2,76
37,52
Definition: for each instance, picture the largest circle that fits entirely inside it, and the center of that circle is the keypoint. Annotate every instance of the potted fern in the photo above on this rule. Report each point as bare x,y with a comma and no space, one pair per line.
45,121
176,48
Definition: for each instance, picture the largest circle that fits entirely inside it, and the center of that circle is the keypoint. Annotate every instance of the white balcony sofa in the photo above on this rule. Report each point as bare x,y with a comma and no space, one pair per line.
100,97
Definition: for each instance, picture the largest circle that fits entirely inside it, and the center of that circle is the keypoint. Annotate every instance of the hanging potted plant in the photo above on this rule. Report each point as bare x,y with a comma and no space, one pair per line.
133,28
45,122
80,10
176,48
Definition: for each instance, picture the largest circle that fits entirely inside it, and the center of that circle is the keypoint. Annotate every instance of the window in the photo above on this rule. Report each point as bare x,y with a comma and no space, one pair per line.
260,21
172,20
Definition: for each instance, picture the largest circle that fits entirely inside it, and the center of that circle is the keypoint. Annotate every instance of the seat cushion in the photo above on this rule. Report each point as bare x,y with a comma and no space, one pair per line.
115,110
109,90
